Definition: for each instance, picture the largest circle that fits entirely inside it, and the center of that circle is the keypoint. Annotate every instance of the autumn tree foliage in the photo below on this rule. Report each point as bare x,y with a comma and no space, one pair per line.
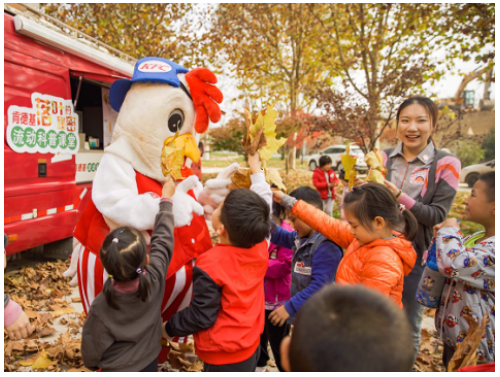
270,47
228,136
137,29
381,54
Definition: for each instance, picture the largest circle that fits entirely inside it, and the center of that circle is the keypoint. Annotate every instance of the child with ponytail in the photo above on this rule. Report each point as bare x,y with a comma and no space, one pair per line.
123,329
377,255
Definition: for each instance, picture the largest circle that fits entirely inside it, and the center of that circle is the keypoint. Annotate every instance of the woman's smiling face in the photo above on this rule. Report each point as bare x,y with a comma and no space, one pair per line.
414,127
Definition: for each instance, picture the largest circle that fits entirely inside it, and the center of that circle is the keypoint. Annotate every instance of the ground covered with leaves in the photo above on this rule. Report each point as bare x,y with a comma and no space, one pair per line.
46,298
44,295
429,358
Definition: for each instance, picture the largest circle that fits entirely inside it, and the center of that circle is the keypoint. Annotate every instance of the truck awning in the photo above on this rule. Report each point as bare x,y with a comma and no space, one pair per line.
97,76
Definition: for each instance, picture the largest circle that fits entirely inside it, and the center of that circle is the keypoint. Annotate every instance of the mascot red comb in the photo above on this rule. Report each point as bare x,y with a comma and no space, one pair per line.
161,99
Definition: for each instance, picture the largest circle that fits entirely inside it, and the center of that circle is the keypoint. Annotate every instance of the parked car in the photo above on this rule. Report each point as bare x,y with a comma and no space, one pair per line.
470,174
334,151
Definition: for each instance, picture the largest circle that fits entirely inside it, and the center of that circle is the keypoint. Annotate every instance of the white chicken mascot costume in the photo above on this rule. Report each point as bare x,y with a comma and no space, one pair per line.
161,98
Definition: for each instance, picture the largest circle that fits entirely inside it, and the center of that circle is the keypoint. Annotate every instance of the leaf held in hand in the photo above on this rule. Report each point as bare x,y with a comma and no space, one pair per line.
348,162
375,161
172,158
266,122
466,352
241,179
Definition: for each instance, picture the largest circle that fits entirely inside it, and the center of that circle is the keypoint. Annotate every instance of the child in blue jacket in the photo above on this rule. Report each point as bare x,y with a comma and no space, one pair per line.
315,259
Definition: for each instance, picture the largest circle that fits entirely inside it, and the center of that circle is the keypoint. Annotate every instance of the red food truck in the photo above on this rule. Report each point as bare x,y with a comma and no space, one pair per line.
57,122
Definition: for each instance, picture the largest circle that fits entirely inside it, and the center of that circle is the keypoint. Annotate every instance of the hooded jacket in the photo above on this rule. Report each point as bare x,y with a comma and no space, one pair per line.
319,181
279,272
381,264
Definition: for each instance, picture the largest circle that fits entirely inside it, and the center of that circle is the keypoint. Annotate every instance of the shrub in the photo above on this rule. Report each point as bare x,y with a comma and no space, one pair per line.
489,145
469,153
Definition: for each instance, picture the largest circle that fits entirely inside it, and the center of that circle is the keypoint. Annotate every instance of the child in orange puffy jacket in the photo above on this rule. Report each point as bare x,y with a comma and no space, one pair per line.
377,256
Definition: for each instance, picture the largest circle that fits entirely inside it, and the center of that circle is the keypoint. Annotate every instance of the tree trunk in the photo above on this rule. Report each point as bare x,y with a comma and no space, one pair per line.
487,83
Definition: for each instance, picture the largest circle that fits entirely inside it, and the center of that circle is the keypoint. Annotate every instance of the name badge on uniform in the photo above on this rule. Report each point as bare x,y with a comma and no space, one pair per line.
301,269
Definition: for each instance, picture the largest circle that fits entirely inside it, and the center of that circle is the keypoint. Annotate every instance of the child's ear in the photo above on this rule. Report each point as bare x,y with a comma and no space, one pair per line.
284,350
379,222
222,230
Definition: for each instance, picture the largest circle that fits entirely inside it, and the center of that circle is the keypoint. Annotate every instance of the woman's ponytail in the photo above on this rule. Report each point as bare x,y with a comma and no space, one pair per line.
144,285
411,225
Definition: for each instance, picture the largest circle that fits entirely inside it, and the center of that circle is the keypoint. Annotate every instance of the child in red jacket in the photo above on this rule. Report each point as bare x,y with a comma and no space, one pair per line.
325,180
226,315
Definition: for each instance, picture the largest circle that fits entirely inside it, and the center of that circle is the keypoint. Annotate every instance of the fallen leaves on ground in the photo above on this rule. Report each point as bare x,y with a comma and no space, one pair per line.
36,289
429,358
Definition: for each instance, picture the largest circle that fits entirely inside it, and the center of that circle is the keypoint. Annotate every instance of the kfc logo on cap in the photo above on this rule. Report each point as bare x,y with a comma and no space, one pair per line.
154,66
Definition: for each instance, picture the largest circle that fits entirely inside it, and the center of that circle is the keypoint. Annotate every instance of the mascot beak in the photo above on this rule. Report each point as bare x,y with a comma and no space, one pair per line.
188,144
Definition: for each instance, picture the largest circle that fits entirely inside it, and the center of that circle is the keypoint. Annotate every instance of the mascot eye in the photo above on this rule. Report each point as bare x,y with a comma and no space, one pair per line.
176,120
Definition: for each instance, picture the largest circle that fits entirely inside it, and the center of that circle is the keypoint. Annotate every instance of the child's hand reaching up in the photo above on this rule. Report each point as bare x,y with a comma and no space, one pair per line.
252,149
279,316
278,195
255,163
448,223
168,189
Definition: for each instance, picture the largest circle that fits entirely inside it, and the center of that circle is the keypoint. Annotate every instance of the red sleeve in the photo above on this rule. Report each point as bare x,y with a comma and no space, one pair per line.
319,180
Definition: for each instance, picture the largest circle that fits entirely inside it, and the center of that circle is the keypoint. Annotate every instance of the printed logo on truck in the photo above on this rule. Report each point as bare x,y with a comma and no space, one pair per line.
49,126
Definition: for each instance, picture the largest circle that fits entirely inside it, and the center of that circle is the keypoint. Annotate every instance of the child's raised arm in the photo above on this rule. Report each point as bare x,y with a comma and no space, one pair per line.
259,184
162,240
331,228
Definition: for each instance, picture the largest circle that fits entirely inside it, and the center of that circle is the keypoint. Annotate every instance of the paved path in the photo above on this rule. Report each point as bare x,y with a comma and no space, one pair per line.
464,187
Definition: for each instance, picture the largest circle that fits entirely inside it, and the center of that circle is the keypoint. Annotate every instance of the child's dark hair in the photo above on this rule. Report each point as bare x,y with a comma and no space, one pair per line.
122,260
245,215
430,106
342,174
308,195
351,329
372,199
324,160
489,179
278,210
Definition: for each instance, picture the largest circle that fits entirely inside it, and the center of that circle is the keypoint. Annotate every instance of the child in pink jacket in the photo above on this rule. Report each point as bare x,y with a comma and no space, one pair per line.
277,291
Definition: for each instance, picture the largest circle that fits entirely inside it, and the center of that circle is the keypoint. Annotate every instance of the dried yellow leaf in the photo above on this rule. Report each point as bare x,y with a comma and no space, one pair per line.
266,122
348,162
375,161
29,362
42,362
172,158
273,178
63,311
375,176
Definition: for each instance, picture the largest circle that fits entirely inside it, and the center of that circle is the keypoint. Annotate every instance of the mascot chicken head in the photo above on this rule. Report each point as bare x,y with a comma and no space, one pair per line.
161,99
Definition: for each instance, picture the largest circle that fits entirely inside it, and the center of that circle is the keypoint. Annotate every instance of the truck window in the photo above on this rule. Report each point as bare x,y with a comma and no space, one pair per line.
90,108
